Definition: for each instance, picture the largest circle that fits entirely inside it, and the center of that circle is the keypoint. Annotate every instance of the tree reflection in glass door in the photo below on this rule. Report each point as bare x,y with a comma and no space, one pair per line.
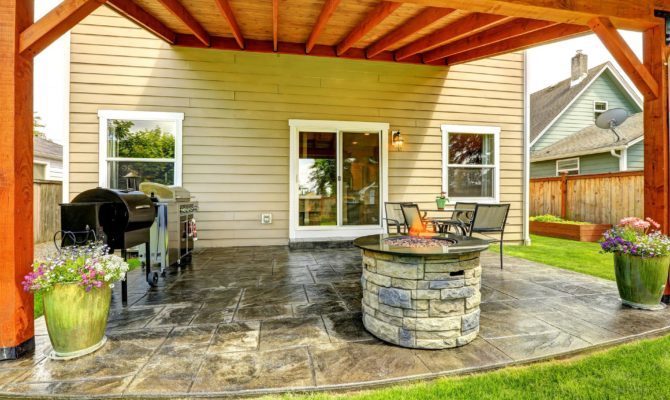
317,178
360,178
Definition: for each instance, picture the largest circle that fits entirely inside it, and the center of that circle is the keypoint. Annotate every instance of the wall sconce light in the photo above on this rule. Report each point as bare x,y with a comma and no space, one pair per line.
396,140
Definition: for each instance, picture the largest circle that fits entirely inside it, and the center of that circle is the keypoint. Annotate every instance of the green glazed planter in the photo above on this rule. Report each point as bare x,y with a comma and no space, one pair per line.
441,203
641,281
76,319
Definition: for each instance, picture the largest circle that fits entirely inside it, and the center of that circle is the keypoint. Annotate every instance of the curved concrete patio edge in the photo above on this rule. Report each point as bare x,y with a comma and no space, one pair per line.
359,386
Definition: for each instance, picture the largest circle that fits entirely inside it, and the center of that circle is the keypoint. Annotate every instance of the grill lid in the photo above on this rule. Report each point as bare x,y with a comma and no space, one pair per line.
164,192
133,209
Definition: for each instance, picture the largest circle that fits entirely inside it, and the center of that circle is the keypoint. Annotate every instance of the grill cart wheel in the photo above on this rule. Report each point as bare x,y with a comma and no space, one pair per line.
152,279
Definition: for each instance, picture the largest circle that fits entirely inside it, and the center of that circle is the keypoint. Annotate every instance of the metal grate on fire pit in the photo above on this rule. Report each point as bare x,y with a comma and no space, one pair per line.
419,241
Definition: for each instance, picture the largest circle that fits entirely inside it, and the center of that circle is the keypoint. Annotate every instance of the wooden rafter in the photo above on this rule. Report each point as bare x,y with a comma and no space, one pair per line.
425,18
635,15
275,24
326,12
137,14
511,29
179,11
374,18
624,55
227,11
466,26
53,25
542,36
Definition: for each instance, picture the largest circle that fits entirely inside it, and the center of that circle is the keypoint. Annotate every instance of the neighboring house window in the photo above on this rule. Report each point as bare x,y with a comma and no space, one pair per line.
470,162
599,107
146,144
569,166
39,170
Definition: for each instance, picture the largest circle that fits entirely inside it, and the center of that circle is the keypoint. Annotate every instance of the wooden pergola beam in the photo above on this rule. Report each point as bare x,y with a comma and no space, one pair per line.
637,15
466,26
275,24
542,36
135,13
16,182
423,19
267,46
53,25
179,11
326,12
227,12
374,18
624,55
509,30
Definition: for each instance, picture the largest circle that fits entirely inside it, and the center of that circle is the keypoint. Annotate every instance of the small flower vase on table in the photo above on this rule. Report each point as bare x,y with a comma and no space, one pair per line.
76,287
641,261
441,201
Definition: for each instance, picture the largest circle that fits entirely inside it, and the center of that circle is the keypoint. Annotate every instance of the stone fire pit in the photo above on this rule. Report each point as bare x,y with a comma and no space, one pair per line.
421,292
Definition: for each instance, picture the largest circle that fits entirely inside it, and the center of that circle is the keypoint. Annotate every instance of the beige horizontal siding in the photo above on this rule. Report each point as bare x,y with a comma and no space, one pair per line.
237,106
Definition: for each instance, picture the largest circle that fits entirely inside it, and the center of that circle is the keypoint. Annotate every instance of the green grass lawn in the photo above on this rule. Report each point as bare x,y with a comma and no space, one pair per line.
567,254
633,371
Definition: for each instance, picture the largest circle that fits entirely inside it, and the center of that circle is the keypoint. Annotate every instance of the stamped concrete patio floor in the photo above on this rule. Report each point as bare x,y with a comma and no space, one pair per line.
258,320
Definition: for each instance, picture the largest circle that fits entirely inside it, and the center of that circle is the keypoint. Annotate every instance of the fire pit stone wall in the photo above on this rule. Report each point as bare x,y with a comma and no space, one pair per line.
428,302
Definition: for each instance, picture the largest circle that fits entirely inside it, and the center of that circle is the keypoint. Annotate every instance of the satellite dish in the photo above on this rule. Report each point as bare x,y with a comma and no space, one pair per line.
610,119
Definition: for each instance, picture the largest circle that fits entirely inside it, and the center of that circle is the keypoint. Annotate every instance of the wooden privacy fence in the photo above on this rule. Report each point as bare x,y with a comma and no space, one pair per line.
46,212
600,198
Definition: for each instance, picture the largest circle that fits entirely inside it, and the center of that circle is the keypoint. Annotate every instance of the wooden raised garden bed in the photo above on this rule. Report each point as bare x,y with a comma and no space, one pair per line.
580,232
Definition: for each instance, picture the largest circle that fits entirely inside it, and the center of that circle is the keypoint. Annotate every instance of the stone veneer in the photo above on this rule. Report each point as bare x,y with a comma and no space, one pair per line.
425,302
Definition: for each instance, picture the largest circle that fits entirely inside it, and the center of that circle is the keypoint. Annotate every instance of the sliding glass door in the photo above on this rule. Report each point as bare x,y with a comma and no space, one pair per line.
339,179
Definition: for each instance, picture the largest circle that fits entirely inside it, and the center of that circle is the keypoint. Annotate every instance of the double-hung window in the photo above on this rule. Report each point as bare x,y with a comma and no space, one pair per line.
142,144
599,107
568,166
471,162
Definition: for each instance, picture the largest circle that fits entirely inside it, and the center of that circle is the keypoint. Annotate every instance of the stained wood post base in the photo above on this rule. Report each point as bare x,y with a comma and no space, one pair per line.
13,353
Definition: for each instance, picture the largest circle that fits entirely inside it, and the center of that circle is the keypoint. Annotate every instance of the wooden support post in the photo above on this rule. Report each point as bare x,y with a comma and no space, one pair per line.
16,180
656,142
564,196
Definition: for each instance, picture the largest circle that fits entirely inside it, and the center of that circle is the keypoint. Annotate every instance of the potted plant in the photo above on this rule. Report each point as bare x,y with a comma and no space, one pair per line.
76,293
641,261
441,200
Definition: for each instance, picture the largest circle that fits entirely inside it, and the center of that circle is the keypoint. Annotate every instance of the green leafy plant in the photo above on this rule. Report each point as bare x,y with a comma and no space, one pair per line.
555,219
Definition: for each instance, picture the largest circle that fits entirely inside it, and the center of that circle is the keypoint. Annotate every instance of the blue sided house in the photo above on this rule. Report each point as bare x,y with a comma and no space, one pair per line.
564,138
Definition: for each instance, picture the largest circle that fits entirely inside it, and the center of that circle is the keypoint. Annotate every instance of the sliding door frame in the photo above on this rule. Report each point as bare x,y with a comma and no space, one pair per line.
297,232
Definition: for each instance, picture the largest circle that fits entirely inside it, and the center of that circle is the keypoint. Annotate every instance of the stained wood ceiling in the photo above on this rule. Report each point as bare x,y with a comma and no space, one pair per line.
372,29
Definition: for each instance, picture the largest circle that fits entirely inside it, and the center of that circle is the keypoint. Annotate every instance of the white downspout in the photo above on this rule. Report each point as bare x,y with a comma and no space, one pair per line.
623,158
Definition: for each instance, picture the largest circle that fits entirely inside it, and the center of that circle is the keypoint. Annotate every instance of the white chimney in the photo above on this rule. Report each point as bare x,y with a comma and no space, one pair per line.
580,67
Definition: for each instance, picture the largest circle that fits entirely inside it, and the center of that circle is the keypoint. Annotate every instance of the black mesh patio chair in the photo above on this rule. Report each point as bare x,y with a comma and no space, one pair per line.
490,218
461,218
413,219
394,217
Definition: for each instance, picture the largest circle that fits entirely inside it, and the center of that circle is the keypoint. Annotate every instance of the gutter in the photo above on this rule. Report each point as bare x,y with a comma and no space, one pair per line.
580,153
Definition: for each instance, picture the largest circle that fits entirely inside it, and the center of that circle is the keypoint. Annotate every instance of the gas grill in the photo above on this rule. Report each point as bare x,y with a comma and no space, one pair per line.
120,218
173,235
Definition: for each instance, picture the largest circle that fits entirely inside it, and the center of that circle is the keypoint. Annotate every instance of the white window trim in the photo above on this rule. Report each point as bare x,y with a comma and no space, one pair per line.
105,115
558,171
297,232
472,130
607,105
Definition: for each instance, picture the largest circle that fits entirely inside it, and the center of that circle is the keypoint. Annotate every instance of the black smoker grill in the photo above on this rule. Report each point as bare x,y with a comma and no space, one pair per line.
121,218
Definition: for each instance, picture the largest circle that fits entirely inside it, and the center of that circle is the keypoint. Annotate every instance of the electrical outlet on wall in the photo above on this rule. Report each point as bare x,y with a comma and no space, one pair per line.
266,218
